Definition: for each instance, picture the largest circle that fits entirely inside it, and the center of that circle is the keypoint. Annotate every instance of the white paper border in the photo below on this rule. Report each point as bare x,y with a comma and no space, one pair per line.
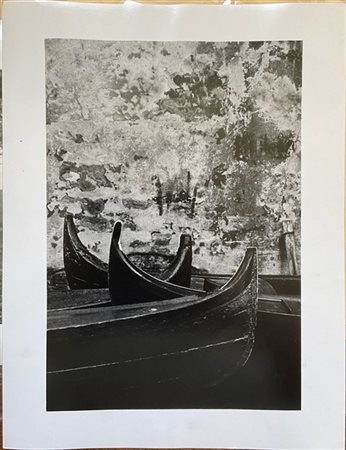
26,423
1,186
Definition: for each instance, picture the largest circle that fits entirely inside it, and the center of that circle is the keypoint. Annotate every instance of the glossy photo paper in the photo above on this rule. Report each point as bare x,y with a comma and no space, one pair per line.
181,181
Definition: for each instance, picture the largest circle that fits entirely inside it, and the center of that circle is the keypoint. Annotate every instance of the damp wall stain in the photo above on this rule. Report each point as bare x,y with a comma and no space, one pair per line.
174,137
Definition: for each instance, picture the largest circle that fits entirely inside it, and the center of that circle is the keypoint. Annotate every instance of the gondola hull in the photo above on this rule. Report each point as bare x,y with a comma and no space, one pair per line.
85,271
284,284
128,283
149,383
267,284
184,344
270,379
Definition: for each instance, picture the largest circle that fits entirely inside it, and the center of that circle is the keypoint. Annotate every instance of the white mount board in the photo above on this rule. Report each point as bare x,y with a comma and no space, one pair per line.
320,423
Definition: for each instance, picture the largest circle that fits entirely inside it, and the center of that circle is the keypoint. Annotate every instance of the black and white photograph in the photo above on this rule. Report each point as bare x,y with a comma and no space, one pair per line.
174,270
173,224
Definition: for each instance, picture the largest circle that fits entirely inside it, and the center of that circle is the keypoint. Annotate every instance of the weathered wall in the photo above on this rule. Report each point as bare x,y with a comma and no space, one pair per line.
171,137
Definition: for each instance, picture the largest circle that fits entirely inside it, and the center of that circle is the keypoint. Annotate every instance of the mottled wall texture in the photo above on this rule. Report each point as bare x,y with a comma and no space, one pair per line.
173,137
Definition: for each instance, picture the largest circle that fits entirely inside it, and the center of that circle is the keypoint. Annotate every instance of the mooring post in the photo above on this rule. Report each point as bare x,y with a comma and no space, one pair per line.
290,247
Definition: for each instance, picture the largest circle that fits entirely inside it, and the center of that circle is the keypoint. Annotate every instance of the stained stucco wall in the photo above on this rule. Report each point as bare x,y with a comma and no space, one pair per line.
172,137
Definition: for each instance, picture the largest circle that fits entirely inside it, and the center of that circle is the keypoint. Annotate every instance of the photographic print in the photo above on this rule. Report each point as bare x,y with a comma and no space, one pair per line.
173,224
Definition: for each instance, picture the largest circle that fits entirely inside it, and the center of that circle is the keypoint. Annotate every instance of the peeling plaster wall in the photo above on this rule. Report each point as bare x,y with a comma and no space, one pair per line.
175,136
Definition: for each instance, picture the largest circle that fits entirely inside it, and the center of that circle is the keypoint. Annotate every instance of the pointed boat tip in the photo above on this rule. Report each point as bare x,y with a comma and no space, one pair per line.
117,231
250,255
69,220
185,240
251,251
248,259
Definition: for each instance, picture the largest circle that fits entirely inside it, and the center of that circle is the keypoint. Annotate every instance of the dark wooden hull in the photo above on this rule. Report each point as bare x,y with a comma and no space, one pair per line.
127,283
70,299
211,284
274,370
65,300
85,271
179,343
284,284
279,304
179,270
267,284
134,385
271,379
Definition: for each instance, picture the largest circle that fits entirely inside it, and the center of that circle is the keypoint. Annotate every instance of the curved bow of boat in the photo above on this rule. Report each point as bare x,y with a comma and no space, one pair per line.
83,269
129,284
180,269
117,233
246,271
213,334
211,284
185,241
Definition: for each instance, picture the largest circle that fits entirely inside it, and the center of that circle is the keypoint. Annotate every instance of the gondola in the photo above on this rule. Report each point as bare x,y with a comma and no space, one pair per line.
68,299
267,284
85,271
275,365
211,284
127,283
132,351
63,300
284,284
